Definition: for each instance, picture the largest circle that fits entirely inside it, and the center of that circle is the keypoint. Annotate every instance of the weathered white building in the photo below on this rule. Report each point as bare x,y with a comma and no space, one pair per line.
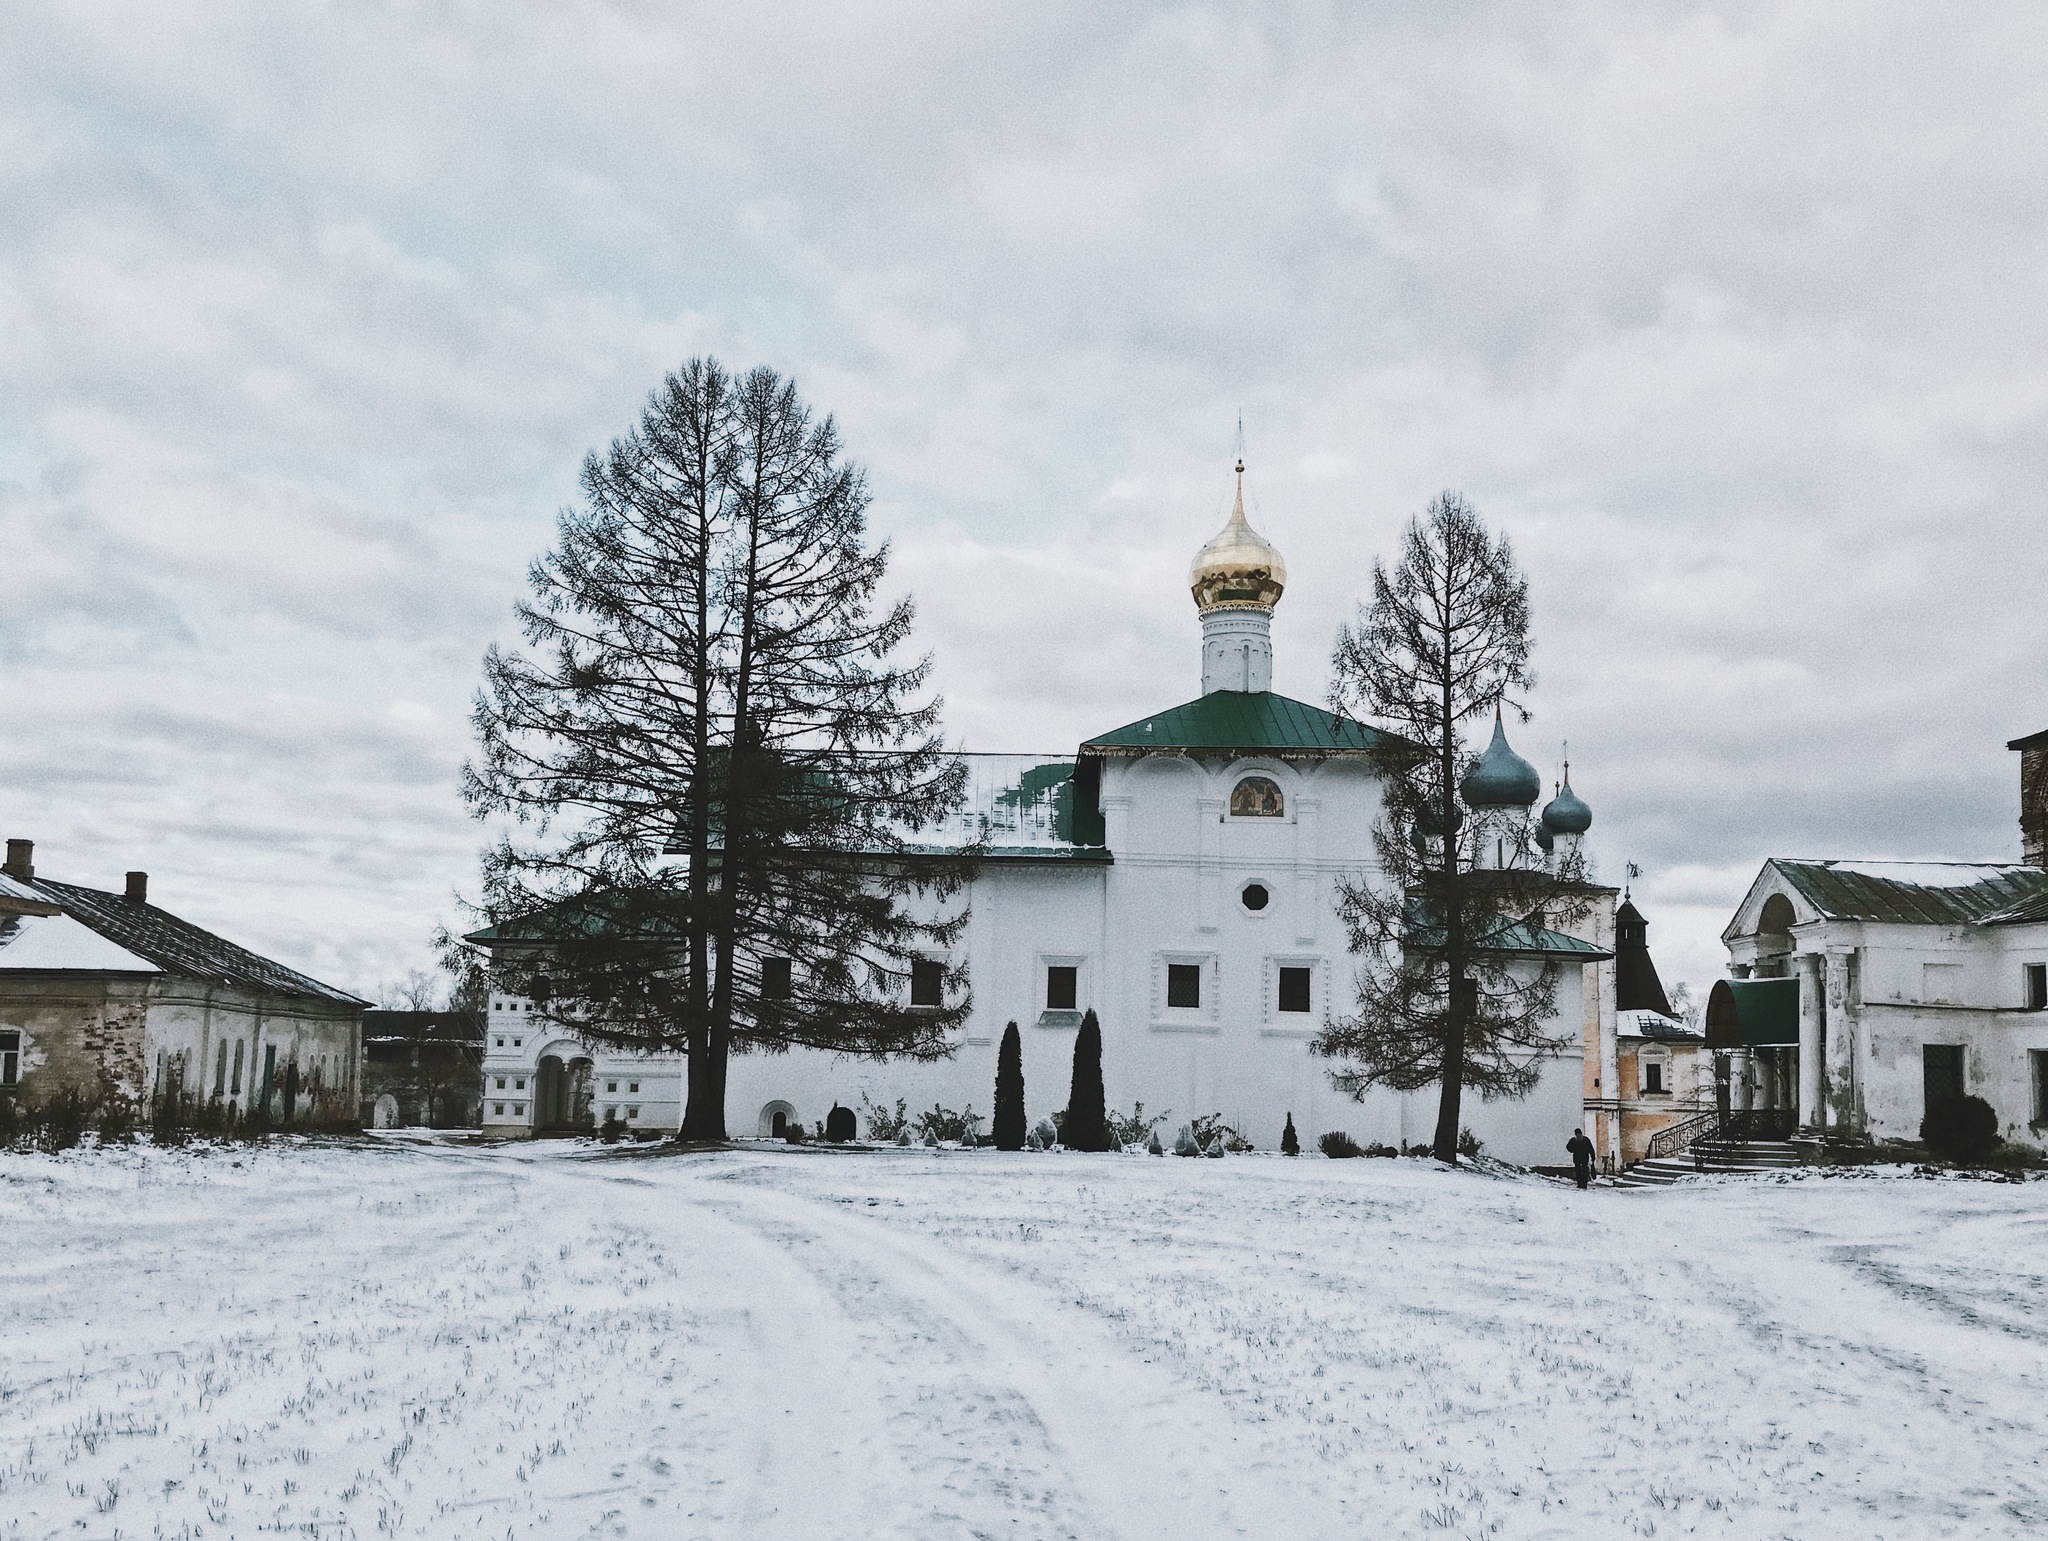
1179,876
112,996
1865,990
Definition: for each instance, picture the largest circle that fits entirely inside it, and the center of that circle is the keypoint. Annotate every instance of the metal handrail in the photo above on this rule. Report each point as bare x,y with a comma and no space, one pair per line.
1679,1137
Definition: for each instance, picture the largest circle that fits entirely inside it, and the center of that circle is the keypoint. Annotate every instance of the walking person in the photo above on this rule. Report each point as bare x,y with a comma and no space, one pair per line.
1581,1150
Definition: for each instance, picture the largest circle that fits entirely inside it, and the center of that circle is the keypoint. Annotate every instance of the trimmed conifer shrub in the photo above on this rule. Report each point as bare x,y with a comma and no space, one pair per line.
1009,1121
1290,1142
839,1124
1086,1126
1960,1129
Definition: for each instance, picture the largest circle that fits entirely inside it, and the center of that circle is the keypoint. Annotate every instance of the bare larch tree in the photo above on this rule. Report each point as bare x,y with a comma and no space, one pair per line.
1453,989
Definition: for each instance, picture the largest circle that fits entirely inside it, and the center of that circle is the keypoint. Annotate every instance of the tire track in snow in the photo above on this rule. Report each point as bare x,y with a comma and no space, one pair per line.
1141,1454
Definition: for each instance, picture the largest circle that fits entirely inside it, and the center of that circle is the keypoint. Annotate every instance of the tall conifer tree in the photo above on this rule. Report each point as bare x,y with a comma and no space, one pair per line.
1444,998
1009,1116
1086,1126
720,767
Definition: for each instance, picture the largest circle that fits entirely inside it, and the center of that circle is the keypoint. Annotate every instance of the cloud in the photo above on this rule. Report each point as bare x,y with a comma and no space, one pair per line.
1731,315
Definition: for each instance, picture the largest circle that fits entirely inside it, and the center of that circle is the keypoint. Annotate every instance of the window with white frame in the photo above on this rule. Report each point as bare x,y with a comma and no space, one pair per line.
927,982
1184,991
10,1059
2037,986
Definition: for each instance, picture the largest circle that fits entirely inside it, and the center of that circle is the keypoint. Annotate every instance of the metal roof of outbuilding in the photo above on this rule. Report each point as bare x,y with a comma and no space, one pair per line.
177,946
1918,893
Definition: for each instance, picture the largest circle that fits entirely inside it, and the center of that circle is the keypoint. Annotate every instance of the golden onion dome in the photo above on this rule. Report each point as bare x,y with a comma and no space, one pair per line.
1239,569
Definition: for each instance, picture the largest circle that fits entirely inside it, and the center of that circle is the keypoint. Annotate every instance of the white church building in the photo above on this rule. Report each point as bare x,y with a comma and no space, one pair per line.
1178,875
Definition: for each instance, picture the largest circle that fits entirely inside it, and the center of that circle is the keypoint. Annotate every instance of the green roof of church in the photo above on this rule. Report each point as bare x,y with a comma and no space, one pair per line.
1239,720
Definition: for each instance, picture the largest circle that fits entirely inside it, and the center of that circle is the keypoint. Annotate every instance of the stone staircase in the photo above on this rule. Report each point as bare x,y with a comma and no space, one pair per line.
1713,1156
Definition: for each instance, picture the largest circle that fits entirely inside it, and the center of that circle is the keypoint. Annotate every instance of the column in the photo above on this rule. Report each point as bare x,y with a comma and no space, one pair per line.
1838,1037
1811,1111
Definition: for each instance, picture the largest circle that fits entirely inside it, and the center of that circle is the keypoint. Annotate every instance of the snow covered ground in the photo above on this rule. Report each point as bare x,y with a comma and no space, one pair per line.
392,1337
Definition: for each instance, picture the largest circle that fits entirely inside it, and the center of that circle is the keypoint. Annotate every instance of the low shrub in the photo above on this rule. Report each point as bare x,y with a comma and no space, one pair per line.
61,1121
1377,1149
610,1130
1339,1146
1136,1130
942,1124
1960,1129
1210,1127
1469,1144
883,1125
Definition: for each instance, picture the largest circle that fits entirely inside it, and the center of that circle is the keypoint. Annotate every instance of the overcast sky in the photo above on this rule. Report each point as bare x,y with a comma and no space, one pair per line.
1731,316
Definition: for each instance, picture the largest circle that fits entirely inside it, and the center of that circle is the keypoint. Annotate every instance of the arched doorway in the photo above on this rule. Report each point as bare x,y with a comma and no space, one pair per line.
776,1118
561,1092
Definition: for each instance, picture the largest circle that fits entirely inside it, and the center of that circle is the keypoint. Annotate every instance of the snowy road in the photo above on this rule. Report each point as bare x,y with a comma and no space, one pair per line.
412,1340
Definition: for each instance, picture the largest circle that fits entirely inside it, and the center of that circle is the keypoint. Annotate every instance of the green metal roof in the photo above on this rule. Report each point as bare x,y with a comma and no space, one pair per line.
1751,1013
1237,720
1522,938
1919,893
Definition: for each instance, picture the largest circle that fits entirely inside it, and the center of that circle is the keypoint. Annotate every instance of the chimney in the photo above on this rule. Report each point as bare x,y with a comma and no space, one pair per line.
2033,798
138,888
20,860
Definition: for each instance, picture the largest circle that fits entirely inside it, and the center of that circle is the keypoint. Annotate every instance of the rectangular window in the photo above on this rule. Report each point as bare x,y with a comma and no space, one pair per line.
501,1083
519,1084
927,982
632,1086
501,1043
498,1110
10,1059
1941,1071
1184,984
1653,1077
1062,986
518,1043
611,1086
2037,987
235,1087
611,1115
2037,1061
220,1070
1294,986
519,1108
632,1112
775,979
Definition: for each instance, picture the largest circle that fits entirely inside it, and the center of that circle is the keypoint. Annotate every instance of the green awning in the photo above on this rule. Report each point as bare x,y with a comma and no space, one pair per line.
1752,1013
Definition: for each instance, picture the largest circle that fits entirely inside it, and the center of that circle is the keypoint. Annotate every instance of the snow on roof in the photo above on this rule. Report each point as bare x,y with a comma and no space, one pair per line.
43,942
1921,893
1655,1026
1928,874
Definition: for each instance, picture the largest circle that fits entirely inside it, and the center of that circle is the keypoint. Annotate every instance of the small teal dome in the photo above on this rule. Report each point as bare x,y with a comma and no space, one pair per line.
1501,778
1545,841
1567,813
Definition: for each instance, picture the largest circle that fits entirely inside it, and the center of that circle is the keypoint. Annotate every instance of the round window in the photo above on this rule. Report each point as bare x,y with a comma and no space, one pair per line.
1255,896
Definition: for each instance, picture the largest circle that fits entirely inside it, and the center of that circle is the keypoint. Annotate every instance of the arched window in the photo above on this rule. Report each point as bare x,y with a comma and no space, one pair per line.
1256,797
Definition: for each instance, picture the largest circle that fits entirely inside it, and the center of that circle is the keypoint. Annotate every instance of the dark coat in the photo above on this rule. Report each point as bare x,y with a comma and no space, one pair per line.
1581,1150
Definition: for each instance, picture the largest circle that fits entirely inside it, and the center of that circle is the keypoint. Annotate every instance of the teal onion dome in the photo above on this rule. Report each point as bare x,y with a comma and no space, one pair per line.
1546,842
1500,778
1567,813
